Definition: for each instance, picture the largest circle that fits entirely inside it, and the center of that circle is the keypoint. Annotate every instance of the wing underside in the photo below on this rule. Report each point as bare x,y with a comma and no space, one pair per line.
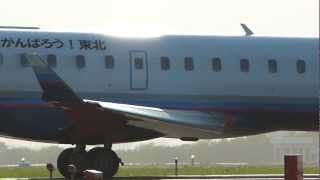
171,123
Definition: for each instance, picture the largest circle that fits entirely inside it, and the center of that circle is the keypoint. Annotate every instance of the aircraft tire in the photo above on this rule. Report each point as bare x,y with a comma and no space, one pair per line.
104,160
69,156
63,161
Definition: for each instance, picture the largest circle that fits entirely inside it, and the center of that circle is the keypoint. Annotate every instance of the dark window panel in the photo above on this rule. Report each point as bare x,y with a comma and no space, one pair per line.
80,61
244,65
301,66
24,61
52,60
165,63
273,66
188,64
109,62
138,63
216,64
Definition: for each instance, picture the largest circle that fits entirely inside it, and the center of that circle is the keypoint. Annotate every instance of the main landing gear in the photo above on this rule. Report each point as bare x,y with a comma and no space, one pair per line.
99,158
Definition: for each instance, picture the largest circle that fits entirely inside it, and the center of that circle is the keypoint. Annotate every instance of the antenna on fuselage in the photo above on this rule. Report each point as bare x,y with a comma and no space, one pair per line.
246,29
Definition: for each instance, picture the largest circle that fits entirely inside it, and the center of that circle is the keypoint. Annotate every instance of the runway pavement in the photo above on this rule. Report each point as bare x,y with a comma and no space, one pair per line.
214,177
219,177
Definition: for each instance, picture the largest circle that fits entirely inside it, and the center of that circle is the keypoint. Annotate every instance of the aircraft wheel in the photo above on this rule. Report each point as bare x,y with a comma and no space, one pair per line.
69,156
104,160
63,162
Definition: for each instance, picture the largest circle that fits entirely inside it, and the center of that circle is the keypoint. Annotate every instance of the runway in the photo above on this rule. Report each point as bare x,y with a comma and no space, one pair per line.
211,177
219,177
246,176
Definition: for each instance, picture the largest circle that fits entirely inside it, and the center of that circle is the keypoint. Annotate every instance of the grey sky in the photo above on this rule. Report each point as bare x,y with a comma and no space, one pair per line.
154,17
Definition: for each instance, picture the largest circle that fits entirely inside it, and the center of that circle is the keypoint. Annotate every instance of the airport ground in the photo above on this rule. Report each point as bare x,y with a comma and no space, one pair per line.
156,171
231,177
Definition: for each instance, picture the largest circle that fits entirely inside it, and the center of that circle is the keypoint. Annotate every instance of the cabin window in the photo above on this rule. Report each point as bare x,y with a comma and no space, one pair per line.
244,65
301,66
273,66
1,59
52,60
80,61
138,63
216,64
23,60
188,64
109,62
165,63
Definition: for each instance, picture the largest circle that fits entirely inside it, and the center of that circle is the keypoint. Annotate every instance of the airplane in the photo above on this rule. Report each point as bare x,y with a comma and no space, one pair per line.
89,88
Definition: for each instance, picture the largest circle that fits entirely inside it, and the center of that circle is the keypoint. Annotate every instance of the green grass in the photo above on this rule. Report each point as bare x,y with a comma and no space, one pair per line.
158,171
188,170
19,172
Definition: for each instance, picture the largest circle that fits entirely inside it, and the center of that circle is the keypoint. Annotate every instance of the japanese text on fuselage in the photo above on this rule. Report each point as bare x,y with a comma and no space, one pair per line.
54,43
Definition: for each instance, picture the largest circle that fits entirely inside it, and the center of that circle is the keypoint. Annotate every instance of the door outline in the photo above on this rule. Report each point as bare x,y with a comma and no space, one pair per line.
131,55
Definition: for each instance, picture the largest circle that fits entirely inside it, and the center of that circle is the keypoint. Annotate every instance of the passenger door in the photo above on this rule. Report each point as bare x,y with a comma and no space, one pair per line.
138,70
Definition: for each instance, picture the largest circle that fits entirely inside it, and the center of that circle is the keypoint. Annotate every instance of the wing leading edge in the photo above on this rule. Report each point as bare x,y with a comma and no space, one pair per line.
171,123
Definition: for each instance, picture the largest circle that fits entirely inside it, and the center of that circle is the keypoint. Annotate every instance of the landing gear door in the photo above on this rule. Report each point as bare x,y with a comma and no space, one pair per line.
138,70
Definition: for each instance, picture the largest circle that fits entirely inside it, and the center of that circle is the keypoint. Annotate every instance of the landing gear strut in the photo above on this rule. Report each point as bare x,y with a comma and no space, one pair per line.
99,158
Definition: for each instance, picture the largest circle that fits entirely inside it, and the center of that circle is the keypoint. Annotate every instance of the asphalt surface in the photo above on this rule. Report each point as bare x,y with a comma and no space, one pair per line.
215,177
265,178
221,177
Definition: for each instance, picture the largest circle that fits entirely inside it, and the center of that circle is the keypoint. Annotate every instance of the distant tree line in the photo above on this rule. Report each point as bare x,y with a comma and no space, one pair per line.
254,150
12,156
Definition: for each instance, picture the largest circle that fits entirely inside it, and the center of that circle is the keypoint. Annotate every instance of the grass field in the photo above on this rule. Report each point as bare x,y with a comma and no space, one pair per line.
158,171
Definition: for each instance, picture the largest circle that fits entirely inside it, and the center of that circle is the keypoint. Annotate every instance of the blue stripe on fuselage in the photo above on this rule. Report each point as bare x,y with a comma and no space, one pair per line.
298,105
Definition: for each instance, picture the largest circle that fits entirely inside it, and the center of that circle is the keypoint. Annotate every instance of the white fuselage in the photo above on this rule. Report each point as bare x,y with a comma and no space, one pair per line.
125,83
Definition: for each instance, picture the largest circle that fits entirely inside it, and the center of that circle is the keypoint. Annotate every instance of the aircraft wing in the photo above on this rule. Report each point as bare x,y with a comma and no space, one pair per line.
171,123
188,125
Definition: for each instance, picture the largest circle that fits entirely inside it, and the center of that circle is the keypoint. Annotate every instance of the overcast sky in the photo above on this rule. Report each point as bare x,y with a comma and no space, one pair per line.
157,17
